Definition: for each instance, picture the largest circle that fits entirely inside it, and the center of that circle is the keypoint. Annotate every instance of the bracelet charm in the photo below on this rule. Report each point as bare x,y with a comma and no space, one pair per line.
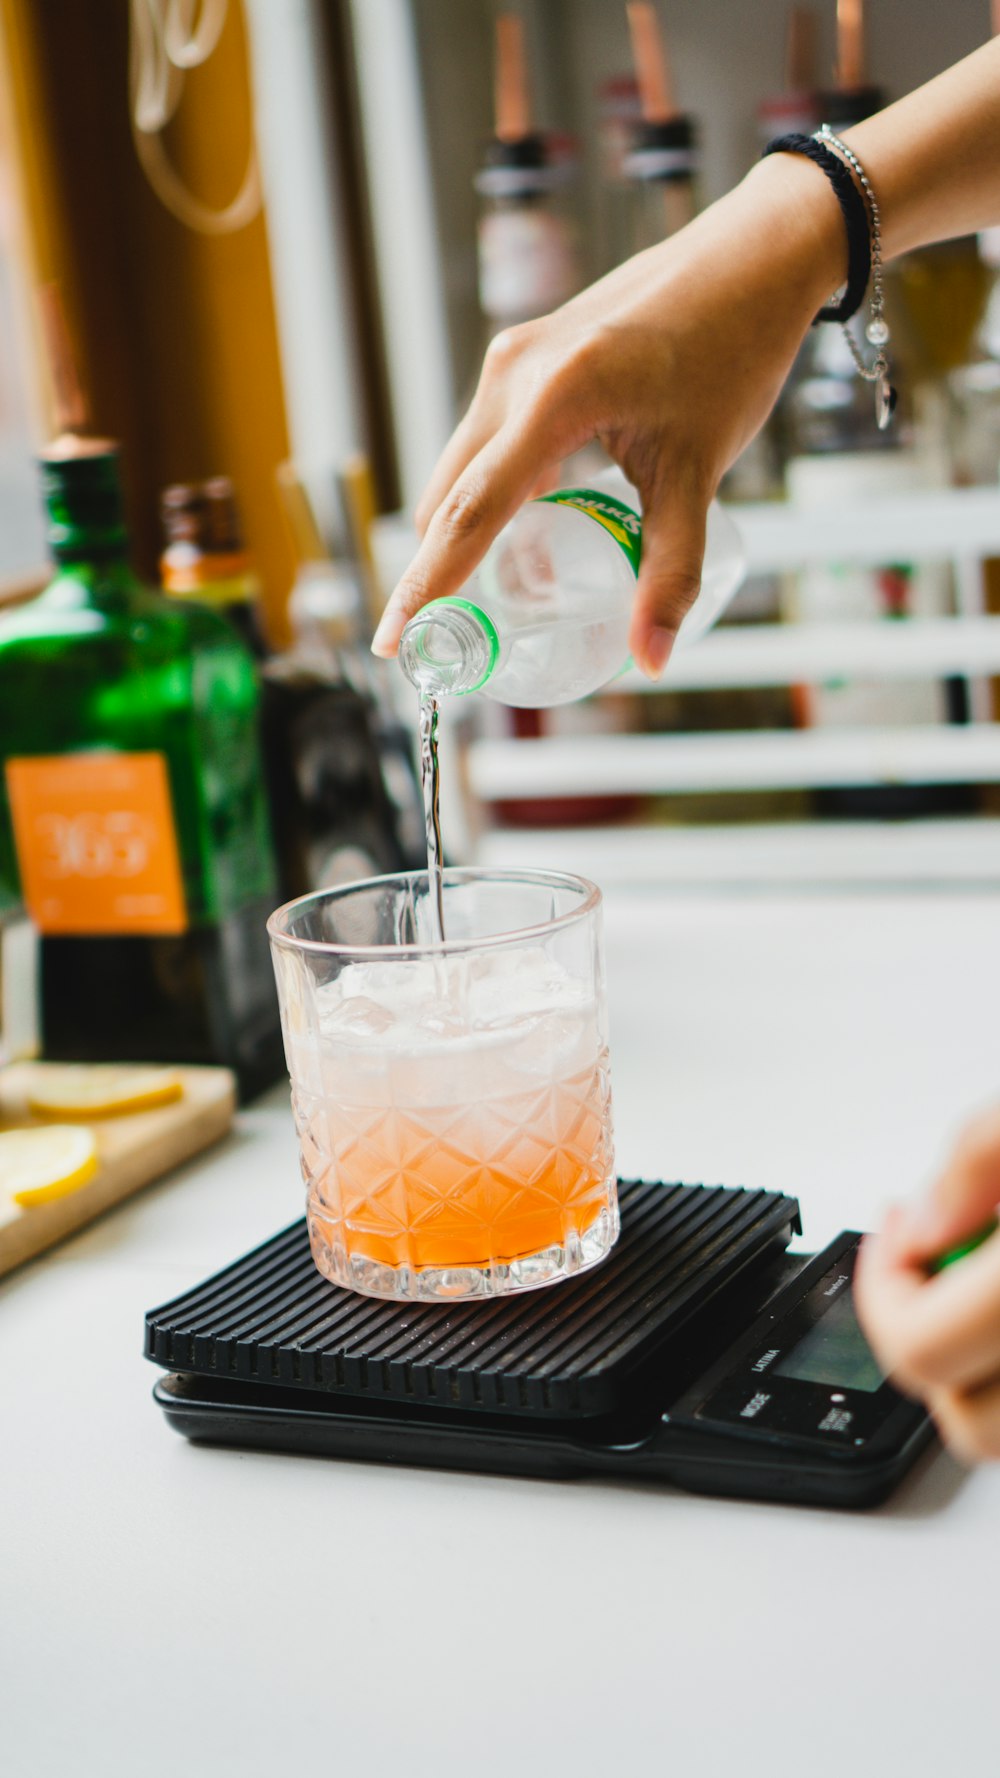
863,224
877,330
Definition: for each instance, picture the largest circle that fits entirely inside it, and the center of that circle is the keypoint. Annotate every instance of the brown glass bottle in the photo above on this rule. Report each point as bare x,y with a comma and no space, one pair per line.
205,555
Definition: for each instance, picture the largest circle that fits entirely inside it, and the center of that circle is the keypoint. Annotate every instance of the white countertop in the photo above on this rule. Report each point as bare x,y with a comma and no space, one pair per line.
167,1609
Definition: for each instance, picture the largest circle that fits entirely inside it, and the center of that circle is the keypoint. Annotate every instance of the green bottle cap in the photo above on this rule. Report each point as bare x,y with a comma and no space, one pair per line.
449,646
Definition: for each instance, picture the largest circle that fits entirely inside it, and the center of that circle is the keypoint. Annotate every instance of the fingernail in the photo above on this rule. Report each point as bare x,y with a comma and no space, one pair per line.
656,651
386,637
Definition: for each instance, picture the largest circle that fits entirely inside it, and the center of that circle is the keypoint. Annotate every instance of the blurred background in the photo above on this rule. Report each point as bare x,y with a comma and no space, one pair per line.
281,233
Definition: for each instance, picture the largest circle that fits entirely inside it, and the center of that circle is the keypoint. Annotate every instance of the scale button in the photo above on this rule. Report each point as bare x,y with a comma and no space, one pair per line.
836,1396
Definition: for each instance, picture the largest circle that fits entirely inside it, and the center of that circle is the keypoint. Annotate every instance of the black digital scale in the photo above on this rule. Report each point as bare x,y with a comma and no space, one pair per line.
699,1354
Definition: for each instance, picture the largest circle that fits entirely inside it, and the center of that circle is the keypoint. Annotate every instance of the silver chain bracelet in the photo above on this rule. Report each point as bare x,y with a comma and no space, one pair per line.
877,330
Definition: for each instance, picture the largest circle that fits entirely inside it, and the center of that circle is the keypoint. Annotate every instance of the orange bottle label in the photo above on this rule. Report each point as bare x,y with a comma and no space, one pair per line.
96,844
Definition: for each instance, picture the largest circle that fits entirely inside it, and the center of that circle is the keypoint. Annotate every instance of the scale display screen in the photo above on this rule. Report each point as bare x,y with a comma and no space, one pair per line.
834,1351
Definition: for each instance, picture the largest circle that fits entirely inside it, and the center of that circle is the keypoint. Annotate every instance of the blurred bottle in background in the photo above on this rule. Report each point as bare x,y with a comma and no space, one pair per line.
935,295
527,252
827,409
852,97
326,734
661,164
205,556
528,266
974,386
134,817
935,300
838,456
618,112
794,108
392,710
824,405
832,452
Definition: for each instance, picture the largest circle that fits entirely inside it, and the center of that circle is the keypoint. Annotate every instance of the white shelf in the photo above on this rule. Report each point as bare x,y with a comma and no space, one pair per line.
926,524
912,854
786,654
760,760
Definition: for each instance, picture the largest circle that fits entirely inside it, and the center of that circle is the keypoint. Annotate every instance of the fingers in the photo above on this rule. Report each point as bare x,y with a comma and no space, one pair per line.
966,1193
468,438
939,1337
673,545
549,480
930,1333
504,358
487,493
968,1421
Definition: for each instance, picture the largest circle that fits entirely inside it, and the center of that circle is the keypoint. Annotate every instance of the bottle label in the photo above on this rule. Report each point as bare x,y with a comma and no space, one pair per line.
525,264
618,520
96,844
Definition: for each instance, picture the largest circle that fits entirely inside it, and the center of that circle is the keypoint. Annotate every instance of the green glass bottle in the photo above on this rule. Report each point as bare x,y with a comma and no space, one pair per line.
132,814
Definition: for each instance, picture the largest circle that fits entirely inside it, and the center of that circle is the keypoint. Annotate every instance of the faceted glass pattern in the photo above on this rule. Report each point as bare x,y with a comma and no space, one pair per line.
453,1102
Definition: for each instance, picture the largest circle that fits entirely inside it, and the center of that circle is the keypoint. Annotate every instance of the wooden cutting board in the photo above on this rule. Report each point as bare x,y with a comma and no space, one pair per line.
133,1149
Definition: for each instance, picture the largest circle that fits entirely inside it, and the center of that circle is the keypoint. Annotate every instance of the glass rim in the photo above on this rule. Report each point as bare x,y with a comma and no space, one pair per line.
591,900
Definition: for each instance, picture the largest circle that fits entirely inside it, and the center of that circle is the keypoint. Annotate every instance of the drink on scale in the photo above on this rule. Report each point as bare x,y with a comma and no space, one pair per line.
446,1033
452,1100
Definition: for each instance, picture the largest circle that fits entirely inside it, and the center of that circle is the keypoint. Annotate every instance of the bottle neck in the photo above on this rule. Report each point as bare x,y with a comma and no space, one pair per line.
450,648
83,546
662,165
222,579
86,520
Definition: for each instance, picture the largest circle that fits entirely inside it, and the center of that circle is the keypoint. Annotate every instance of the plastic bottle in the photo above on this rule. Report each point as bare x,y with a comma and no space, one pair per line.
545,619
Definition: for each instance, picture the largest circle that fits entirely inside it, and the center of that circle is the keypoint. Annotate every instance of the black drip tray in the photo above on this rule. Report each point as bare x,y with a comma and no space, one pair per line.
562,1351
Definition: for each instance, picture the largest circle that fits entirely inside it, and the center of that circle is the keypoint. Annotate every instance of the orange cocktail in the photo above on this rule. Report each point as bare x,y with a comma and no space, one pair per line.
454,1114
510,1176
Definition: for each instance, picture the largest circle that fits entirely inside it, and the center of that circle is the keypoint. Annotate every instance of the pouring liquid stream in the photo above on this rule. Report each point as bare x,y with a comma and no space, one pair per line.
431,782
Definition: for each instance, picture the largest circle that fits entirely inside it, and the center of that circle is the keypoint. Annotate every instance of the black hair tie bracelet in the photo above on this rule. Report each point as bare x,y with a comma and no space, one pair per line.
854,211
863,223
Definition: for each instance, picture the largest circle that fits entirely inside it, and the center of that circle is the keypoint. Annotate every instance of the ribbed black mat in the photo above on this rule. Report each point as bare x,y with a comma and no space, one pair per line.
272,1317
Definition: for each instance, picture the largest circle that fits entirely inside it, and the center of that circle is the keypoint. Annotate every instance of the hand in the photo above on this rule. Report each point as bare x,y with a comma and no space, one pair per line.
939,1337
673,362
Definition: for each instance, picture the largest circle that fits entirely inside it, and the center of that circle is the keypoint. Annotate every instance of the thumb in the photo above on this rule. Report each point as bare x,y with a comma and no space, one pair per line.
673,545
964,1196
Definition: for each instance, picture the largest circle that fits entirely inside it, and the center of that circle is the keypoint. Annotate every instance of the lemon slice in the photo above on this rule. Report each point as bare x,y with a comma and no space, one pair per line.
101,1090
39,1165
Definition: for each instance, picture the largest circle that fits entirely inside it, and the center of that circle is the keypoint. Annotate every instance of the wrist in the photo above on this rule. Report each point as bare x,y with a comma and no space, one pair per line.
798,215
